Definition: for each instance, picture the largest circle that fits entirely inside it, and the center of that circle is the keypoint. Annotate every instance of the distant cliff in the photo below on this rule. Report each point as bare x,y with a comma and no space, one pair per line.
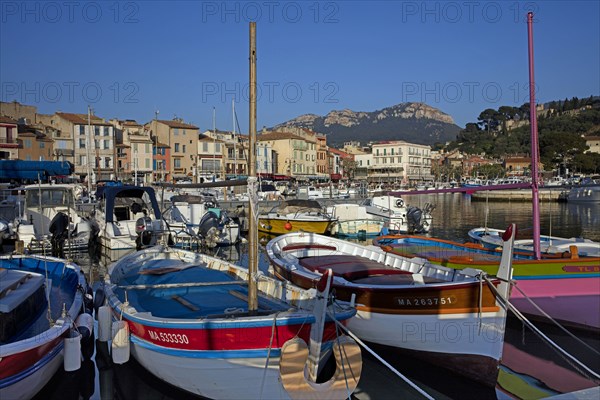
412,122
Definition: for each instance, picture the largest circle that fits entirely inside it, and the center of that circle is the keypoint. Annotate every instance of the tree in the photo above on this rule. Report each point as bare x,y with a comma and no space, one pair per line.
489,119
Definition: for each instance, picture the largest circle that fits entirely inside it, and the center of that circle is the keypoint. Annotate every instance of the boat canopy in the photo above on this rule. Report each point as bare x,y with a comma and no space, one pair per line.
112,193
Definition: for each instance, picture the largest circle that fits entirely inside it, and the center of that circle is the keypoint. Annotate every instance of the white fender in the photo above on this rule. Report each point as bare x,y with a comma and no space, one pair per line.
85,325
292,365
120,342
72,352
104,320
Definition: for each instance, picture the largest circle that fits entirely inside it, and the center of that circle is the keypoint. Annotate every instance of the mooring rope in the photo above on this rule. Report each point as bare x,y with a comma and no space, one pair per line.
390,367
264,377
342,354
567,356
546,315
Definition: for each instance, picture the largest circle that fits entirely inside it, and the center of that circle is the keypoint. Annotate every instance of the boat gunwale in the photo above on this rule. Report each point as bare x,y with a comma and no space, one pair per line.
61,325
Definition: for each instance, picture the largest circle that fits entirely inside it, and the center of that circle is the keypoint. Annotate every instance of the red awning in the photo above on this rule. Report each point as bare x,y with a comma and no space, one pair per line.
336,177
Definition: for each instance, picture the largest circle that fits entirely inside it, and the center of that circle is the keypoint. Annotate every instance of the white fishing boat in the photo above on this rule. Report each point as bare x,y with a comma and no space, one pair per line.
400,217
49,221
491,238
455,318
198,221
127,218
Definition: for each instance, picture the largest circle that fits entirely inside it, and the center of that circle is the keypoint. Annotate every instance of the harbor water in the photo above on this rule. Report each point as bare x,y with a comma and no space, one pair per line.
530,367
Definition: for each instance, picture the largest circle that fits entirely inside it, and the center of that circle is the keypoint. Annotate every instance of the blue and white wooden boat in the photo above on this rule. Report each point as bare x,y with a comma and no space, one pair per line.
40,298
185,318
553,245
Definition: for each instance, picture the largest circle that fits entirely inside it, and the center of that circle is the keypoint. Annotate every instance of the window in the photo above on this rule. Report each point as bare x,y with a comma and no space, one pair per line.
377,151
183,147
106,144
177,163
183,132
42,145
97,130
106,162
96,144
147,148
147,163
176,147
392,150
81,129
205,147
218,147
176,131
27,143
82,160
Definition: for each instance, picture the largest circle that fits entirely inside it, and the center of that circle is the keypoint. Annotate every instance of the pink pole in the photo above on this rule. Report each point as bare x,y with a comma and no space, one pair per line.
534,143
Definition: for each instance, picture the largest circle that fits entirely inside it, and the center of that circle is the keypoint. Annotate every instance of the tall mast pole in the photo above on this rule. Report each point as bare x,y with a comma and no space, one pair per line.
534,143
89,144
234,139
214,141
252,231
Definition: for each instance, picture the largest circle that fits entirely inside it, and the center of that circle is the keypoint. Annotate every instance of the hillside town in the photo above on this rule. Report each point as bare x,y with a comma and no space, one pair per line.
177,151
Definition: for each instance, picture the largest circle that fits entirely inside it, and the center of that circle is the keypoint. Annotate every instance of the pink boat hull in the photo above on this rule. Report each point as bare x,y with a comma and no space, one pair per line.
575,301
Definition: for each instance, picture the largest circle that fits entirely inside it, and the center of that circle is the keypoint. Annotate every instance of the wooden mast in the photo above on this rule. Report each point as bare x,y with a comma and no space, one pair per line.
252,228
534,143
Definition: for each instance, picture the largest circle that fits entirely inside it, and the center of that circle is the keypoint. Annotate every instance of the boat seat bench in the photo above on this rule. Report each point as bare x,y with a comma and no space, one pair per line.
349,267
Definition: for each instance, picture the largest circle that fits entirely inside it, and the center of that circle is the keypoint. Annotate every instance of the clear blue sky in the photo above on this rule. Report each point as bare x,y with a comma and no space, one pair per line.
128,59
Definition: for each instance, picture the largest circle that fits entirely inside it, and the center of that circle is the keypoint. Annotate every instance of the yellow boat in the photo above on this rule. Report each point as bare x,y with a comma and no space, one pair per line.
294,216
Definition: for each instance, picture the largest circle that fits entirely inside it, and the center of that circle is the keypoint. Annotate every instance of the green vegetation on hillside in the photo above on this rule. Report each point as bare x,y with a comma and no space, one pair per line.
561,129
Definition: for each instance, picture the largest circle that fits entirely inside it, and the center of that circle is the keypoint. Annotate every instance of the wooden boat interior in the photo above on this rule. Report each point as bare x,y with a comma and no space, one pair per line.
175,284
369,266
441,250
169,291
24,297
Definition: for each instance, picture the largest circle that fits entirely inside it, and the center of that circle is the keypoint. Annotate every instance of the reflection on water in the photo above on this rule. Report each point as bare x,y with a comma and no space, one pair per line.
530,368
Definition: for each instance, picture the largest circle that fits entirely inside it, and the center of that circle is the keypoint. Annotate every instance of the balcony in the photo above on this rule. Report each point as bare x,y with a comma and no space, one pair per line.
64,152
9,143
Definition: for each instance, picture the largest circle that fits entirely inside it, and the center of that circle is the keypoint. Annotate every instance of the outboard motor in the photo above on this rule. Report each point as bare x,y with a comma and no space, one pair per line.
94,245
143,228
59,229
414,215
209,228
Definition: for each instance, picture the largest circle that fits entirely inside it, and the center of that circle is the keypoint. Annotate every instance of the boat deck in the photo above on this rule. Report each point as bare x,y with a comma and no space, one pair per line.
361,270
184,291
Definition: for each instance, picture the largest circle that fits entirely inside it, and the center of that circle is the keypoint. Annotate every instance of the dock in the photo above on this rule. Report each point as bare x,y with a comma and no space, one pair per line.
544,194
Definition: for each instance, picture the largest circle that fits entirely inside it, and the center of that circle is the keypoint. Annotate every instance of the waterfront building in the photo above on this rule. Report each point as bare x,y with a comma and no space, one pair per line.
34,144
399,161
182,141
9,147
134,151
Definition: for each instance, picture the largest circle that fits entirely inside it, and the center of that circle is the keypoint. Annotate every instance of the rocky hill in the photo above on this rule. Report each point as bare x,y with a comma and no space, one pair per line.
412,122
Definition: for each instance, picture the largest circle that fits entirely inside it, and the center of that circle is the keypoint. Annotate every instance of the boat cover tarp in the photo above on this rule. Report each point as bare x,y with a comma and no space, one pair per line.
298,205
34,170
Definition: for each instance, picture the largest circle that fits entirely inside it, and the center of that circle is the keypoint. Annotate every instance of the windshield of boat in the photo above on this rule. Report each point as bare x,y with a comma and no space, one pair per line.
49,198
